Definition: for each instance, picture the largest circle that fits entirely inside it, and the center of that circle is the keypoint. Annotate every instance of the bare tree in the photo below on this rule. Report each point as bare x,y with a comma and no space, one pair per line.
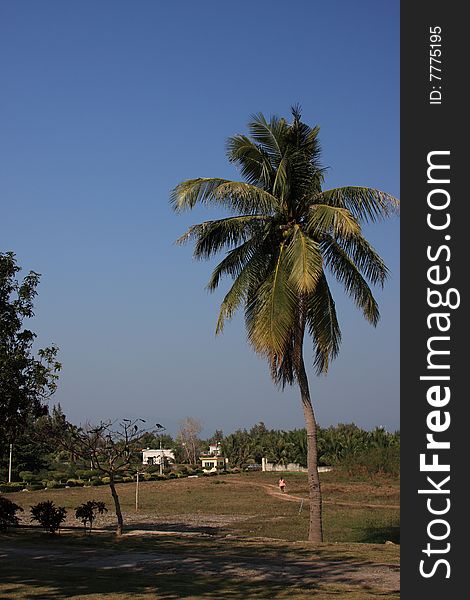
188,438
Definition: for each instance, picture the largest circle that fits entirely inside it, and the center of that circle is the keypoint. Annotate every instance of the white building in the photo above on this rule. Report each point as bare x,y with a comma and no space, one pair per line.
213,463
157,457
215,449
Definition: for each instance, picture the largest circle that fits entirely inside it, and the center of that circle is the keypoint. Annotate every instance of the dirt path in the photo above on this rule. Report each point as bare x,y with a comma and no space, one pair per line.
273,490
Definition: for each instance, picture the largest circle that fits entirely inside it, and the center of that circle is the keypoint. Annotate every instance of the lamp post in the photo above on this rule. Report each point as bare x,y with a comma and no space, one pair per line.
9,463
159,428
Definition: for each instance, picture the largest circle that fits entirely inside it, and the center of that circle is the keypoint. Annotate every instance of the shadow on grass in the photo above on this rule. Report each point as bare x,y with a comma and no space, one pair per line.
380,535
68,566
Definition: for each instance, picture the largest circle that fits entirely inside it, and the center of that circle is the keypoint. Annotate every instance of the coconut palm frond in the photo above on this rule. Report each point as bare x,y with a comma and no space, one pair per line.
212,236
332,220
323,326
271,309
236,196
366,259
270,135
346,272
365,204
249,277
253,162
304,261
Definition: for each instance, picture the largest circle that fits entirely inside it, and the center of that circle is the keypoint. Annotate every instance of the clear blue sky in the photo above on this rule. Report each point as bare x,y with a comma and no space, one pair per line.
105,106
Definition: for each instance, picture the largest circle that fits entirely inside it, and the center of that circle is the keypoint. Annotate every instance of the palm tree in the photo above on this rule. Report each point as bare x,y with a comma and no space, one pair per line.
283,235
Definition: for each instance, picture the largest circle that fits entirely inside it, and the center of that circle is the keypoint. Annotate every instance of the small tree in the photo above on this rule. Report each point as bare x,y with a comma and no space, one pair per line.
88,511
8,510
48,515
27,476
110,449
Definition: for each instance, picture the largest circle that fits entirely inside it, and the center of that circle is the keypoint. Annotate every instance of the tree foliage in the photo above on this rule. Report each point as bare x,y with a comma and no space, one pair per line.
26,381
8,516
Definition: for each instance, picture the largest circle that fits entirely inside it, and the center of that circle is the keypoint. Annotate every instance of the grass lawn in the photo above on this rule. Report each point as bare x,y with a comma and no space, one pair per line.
232,536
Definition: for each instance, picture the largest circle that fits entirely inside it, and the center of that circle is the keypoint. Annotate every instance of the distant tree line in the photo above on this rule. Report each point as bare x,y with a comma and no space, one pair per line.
38,455
342,445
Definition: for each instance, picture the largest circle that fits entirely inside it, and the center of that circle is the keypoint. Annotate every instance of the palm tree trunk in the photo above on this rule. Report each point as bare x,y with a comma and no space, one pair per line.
315,532
117,505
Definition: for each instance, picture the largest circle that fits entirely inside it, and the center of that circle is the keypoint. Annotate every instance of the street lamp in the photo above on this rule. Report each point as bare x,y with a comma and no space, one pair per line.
9,463
160,428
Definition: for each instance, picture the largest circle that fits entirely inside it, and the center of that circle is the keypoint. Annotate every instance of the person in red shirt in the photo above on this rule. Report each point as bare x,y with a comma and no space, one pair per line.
282,484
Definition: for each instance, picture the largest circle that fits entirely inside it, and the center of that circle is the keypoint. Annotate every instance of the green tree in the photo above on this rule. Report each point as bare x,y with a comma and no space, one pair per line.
26,381
283,235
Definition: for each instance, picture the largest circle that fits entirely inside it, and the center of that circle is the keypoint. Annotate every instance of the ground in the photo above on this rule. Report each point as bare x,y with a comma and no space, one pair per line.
222,537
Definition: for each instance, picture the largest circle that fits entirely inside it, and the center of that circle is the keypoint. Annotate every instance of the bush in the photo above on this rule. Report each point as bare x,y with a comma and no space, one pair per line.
48,515
106,480
96,482
75,482
153,469
8,510
28,476
127,479
374,461
54,485
58,475
87,473
35,486
5,488
87,512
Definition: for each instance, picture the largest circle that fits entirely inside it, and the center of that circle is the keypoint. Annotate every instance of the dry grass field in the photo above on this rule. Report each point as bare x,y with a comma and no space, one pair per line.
232,536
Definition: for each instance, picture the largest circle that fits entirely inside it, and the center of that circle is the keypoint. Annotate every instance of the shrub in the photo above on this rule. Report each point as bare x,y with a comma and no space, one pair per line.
58,475
28,476
48,515
105,480
374,461
75,482
54,485
8,510
87,512
96,482
35,486
87,473
153,469
127,479
11,487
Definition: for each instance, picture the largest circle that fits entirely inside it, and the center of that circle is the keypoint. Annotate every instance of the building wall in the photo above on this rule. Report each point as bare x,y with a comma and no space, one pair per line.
267,466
